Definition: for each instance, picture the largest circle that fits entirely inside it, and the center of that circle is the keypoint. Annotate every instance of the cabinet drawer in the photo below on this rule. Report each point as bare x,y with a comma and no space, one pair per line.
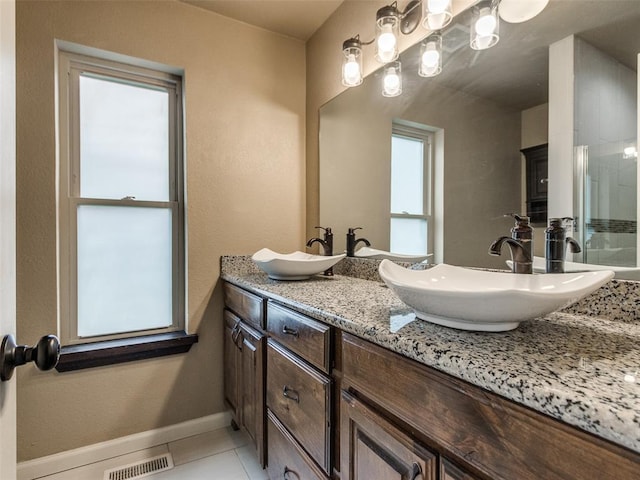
286,457
307,337
300,397
246,305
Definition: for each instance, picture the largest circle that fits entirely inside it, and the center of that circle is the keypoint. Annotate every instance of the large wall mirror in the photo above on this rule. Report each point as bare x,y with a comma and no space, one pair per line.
535,87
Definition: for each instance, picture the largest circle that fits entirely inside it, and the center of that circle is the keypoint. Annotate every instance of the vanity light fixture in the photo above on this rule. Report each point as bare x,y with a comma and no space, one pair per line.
485,25
431,56
352,62
392,80
437,14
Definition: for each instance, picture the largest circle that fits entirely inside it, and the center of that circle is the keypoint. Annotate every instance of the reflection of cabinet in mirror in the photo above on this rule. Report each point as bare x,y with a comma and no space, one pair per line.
537,182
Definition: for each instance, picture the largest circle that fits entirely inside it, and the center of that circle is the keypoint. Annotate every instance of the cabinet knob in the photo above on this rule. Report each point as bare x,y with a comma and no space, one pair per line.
291,394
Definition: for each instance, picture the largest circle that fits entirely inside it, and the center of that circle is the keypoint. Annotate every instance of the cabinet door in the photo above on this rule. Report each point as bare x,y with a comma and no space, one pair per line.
231,371
252,386
374,448
448,471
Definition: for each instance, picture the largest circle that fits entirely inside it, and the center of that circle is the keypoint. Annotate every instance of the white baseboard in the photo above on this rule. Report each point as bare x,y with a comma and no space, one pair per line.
97,452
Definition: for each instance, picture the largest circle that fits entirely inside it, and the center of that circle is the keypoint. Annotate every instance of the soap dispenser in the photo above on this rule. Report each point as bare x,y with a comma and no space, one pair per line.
522,232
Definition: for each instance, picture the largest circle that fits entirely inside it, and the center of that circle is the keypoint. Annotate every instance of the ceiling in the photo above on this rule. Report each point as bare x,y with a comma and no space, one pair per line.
293,18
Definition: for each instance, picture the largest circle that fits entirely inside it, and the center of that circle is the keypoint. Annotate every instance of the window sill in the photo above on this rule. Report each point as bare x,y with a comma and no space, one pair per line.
111,352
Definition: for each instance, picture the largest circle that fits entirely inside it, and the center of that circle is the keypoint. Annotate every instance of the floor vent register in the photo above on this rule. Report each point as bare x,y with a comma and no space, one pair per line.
140,469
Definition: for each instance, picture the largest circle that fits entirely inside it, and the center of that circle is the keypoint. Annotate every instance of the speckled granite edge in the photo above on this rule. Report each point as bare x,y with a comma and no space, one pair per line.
572,368
617,300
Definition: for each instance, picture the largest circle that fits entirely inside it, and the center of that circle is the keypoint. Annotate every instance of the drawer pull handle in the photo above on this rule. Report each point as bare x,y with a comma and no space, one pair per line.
291,394
289,331
235,333
416,471
287,471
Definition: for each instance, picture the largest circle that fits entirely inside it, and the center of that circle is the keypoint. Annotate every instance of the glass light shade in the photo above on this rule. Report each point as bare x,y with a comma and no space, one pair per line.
387,25
352,63
485,26
431,56
437,14
392,81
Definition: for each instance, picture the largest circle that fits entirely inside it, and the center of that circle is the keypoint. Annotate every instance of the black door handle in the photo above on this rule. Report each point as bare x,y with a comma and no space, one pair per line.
45,354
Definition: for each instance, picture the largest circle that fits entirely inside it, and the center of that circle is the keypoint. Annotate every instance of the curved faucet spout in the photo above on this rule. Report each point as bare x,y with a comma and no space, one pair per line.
326,248
522,262
574,246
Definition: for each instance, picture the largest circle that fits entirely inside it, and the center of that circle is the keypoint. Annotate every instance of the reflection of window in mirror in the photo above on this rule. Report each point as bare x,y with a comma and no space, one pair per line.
411,190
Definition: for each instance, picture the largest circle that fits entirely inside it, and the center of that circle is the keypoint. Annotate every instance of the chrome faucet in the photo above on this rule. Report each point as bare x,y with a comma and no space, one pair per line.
519,255
327,246
352,242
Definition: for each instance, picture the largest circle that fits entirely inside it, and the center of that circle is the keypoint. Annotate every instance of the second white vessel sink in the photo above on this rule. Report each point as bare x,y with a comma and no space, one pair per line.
486,301
293,266
368,252
621,273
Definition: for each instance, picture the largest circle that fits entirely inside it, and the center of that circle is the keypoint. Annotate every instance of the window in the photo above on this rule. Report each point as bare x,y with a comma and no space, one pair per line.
411,191
121,201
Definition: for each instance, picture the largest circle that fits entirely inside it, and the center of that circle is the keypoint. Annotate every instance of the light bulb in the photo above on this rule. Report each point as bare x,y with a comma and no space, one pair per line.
437,6
391,83
484,33
430,62
386,44
437,14
486,23
431,56
351,72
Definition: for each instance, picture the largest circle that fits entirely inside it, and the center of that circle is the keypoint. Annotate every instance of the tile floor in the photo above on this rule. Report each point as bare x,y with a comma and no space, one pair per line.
218,455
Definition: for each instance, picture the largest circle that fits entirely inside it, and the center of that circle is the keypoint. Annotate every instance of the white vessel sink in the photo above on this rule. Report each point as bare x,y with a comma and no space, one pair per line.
368,252
486,301
293,266
621,273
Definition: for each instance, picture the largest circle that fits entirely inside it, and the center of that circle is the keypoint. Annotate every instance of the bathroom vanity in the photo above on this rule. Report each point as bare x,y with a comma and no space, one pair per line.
335,378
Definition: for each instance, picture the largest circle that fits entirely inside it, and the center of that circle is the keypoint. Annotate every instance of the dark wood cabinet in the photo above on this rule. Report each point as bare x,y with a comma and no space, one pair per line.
319,403
374,448
244,369
479,435
537,182
252,386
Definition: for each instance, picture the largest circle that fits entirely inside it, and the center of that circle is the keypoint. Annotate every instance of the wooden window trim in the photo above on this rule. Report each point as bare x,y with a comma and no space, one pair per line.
111,352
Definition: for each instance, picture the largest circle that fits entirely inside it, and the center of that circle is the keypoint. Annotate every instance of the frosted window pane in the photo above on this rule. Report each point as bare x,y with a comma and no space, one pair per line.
124,141
407,159
409,236
124,269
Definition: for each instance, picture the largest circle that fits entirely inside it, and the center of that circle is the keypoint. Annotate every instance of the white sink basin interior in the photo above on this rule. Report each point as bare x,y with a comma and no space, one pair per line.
621,273
293,266
368,252
486,301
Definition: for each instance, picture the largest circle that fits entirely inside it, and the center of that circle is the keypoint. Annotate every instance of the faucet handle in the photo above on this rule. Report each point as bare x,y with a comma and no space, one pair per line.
352,230
327,230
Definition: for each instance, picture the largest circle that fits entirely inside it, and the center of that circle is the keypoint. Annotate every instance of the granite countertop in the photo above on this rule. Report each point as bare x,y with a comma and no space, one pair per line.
576,368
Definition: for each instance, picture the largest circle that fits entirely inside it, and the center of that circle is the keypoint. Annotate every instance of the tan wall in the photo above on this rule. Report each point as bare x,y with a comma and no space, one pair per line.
245,119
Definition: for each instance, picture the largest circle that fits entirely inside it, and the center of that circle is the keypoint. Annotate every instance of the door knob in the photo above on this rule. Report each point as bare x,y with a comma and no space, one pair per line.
45,354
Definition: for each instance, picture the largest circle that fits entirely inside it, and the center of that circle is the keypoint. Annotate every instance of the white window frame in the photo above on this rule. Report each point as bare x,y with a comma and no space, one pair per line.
427,138
70,66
